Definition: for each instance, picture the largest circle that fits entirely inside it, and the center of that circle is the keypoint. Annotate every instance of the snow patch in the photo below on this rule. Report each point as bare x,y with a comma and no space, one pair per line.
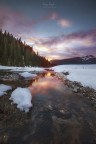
39,69
22,97
27,75
85,74
86,58
4,88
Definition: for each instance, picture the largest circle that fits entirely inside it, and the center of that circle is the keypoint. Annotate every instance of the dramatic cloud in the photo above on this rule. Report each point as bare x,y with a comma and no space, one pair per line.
16,22
54,33
65,46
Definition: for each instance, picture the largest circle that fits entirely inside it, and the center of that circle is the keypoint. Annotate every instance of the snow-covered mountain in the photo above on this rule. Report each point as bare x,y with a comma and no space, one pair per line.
89,59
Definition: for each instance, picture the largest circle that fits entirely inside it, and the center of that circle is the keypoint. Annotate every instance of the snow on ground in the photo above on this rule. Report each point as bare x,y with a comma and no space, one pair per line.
22,97
27,75
38,69
86,74
4,88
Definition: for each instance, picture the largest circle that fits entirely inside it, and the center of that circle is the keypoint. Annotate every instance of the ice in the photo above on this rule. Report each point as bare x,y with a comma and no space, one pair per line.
86,74
27,75
39,69
22,97
4,88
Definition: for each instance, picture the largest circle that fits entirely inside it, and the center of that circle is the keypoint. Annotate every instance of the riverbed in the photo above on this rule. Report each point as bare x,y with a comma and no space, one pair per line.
58,115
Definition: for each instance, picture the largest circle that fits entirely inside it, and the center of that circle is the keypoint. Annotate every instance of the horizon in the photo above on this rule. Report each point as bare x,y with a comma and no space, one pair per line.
57,30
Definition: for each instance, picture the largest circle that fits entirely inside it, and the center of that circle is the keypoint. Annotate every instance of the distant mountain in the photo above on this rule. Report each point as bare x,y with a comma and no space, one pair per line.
90,59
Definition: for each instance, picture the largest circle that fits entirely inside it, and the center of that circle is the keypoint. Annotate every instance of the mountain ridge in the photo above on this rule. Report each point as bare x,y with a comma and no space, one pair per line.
89,59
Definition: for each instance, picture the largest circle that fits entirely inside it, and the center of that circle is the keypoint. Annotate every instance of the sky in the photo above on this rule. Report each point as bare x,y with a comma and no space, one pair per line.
57,29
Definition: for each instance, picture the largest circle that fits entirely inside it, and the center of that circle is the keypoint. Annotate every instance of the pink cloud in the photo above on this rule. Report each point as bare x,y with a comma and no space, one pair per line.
64,23
16,22
64,46
71,45
60,21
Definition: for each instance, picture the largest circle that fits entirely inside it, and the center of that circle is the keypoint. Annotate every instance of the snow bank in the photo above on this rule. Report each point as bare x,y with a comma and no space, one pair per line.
62,68
4,88
27,75
38,69
22,97
86,74
87,77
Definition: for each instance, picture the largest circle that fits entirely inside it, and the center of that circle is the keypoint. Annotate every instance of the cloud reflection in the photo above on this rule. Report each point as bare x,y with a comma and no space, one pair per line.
44,84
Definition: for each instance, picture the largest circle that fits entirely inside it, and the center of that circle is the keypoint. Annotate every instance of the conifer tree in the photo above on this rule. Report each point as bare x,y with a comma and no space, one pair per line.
13,52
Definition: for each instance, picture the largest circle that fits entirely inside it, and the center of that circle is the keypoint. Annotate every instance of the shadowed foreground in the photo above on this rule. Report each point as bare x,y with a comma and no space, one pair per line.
58,116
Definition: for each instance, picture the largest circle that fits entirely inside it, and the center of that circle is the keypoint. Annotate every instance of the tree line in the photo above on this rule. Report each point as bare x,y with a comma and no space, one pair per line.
13,52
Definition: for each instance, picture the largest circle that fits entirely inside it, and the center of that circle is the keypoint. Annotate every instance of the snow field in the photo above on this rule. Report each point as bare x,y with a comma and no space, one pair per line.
85,74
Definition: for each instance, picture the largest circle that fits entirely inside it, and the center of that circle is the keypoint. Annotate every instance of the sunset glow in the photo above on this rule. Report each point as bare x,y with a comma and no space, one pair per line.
65,31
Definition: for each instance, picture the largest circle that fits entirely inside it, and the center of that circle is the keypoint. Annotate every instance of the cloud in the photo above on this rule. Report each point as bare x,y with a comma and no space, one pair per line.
65,46
14,22
17,23
64,23
60,21
88,38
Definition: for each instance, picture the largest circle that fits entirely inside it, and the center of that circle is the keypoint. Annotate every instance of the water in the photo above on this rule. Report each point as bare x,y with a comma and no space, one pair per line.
58,116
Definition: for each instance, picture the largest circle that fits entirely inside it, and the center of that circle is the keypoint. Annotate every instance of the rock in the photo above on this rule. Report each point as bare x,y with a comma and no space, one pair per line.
50,107
65,73
3,138
76,89
62,111
61,76
57,120
54,118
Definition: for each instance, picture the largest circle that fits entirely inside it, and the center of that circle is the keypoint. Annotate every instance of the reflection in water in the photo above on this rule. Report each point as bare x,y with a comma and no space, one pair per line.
44,83
48,74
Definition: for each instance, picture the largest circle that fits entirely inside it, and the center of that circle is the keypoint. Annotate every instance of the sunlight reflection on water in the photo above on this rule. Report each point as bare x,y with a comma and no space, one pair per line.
44,84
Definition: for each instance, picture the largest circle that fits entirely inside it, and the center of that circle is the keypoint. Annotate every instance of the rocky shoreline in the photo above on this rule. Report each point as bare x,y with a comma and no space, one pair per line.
77,87
51,119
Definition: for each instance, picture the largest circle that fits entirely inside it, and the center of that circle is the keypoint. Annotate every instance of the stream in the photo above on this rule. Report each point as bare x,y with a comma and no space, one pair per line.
58,115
